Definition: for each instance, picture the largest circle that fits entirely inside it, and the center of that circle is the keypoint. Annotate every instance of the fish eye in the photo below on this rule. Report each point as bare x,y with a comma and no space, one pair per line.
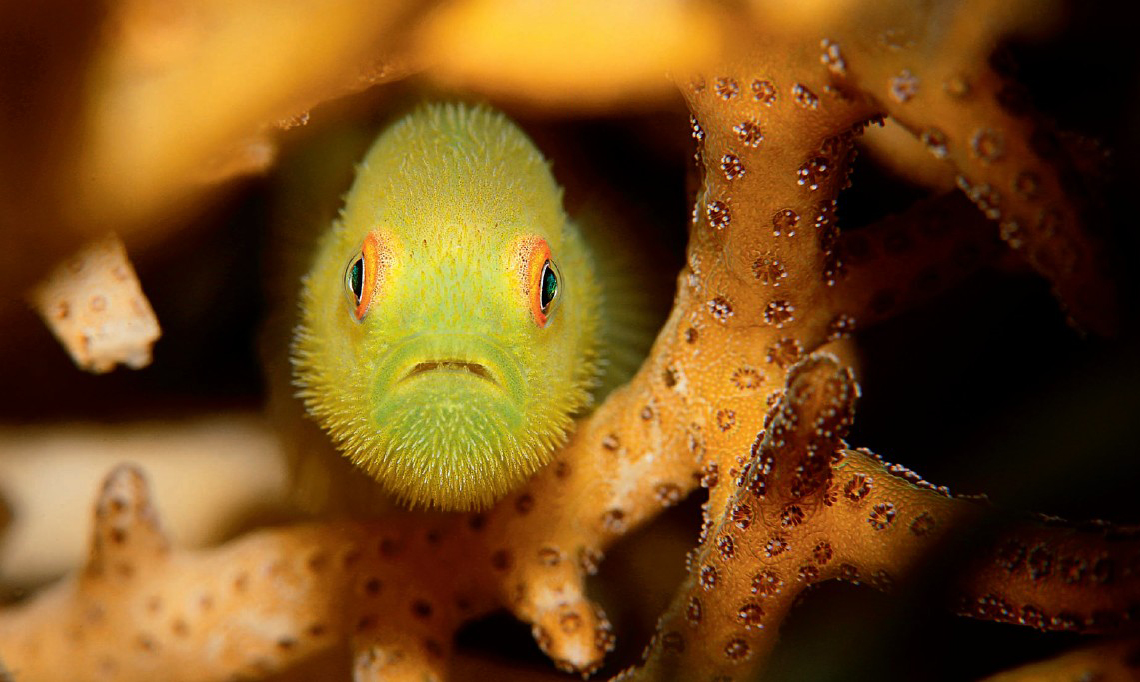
365,272
548,286
354,279
540,279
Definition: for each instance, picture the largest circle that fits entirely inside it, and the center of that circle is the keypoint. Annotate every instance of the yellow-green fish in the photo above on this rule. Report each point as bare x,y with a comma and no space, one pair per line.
451,321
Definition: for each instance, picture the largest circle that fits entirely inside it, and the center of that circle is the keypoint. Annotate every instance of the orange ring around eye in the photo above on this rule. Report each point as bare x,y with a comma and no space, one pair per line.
377,257
530,254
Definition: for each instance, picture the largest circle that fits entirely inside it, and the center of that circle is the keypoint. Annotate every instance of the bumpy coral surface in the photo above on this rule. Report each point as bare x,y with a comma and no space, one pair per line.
734,396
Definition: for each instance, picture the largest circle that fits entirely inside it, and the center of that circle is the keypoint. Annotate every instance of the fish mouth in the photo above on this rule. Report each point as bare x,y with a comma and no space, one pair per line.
450,366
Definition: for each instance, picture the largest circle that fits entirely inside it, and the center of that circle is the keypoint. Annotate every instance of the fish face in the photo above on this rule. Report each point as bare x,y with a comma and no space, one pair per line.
449,323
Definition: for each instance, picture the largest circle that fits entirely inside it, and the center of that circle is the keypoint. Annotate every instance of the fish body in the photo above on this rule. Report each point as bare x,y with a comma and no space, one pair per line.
450,323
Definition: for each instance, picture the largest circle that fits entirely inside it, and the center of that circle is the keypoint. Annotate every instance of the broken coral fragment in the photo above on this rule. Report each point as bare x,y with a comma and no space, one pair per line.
95,306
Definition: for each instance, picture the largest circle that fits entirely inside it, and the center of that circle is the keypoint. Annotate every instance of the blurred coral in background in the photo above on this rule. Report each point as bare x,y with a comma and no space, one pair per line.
974,257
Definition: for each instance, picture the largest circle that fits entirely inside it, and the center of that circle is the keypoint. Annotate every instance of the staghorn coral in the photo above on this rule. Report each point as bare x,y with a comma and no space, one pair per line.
769,278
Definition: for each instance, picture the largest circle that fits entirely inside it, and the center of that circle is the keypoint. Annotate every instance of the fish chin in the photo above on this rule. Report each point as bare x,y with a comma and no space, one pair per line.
444,434
448,404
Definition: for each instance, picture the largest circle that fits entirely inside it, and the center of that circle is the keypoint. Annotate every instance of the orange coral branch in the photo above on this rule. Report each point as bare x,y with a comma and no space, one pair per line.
271,598
932,77
806,510
775,143
1051,576
249,608
1058,576
755,558
163,604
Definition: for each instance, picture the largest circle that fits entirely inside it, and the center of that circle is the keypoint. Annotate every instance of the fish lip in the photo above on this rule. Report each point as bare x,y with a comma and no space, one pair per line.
474,368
